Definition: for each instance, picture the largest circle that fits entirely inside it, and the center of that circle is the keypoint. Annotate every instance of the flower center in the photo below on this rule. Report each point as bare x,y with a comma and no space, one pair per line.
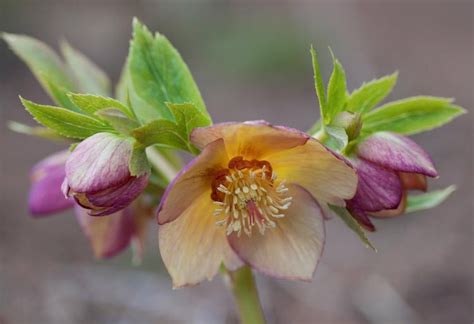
248,194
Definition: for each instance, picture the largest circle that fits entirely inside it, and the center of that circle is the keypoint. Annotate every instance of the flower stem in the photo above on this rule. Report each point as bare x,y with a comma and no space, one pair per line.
161,164
243,286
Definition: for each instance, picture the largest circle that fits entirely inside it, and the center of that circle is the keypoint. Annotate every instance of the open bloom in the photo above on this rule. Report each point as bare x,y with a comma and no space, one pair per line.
253,195
98,175
387,165
108,235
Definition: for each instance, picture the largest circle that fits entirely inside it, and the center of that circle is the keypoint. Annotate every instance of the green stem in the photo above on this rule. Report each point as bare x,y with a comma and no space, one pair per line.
242,284
161,164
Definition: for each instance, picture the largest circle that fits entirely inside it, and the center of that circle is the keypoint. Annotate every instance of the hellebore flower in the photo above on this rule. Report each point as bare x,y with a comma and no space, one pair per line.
253,195
387,165
46,176
98,175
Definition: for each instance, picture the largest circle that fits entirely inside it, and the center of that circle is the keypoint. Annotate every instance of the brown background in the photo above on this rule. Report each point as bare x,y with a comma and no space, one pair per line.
251,61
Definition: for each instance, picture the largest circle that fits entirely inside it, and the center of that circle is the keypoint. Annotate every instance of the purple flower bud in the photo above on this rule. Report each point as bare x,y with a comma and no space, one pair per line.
98,174
45,195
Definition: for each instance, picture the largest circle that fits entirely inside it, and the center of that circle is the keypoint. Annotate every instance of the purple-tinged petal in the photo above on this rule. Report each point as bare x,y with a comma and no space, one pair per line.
388,213
193,246
98,163
45,195
293,248
108,235
360,215
378,188
194,179
252,139
396,152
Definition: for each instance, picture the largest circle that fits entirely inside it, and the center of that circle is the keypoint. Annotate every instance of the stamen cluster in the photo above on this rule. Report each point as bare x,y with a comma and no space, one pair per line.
248,194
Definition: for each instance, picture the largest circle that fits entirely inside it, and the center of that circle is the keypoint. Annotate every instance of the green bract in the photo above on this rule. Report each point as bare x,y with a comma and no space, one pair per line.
428,200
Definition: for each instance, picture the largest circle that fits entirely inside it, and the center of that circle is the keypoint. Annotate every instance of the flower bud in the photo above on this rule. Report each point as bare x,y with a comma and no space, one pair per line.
45,196
98,174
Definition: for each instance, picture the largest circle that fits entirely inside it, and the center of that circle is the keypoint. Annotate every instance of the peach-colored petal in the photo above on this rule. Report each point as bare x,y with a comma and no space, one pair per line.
252,140
293,248
328,178
193,246
192,181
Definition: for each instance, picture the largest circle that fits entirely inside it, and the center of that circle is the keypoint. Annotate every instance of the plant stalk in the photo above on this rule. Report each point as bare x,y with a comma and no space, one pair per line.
242,284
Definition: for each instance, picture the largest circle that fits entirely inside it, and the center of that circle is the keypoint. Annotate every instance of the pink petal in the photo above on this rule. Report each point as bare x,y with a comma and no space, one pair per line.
293,248
378,187
252,140
194,179
193,246
396,152
108,235
388,213
45,195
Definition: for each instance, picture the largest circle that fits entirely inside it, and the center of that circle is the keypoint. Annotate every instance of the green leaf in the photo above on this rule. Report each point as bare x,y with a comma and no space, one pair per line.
63,121
121,89
37,131
90,104
353,225
90,78
412,115
188,117
161,132
337,91
371,93
338,138
118,120
138,164
428,200
158,73
46,66
319,84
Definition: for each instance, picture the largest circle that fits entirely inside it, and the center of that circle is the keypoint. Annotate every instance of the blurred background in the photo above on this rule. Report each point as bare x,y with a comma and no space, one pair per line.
251,61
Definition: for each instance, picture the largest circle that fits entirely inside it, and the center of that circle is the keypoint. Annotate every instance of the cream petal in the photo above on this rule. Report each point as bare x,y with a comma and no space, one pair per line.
252,140
193,246
327,177
194,179
293,248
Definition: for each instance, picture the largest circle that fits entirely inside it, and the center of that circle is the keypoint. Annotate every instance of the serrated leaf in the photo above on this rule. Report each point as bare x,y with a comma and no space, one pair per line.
37,131
64,121
138,164
161,132
412,115
338,138
90,104
45,65
428,200
371,93
90,78
158,74
337,91
188,117
353,225
319,84
117,119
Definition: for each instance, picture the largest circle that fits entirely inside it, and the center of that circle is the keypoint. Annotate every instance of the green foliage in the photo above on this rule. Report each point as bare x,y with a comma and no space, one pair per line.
65,122
412,115
37,131
319,86
90,104
337,137
353,225
88,76
428,200
371,93
337,91
46,66
161,132
158,74
138,164
116,118
188,117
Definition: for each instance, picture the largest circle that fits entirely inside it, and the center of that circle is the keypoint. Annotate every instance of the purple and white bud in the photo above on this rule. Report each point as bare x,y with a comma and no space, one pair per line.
45,197
98,174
